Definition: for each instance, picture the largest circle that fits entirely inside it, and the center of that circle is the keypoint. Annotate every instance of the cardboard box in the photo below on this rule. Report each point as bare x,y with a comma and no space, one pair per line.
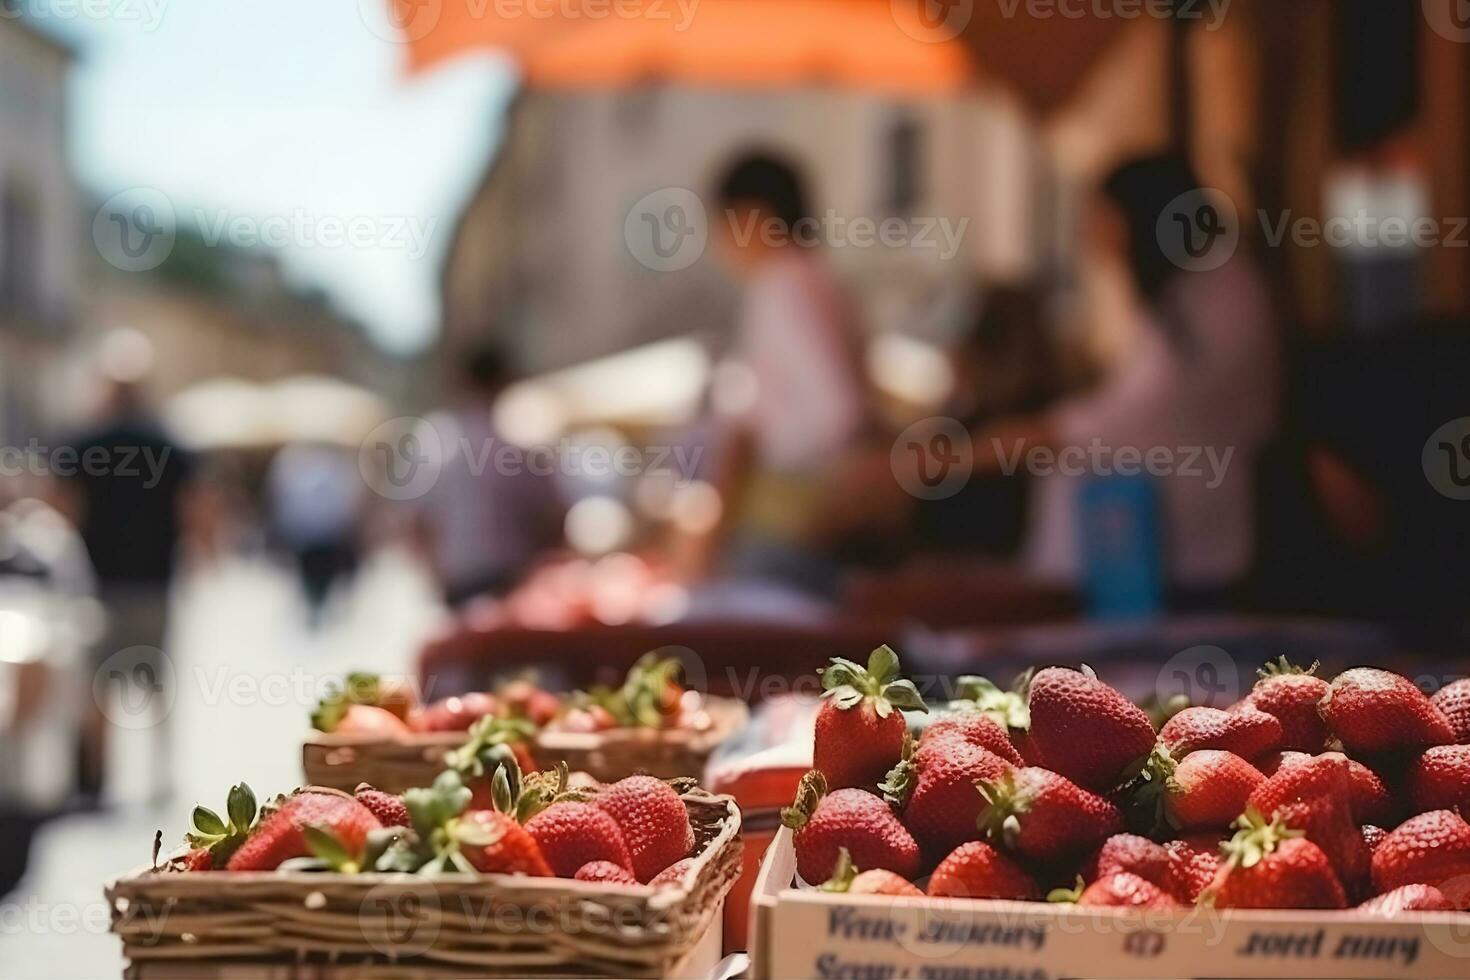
801,932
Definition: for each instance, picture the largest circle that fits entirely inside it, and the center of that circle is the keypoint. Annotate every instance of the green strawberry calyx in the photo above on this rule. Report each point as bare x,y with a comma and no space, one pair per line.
1006,708
223,836
809,793
489,741
1256,838
849,684
1005,803
898,785
843,873
1282,667
329,853
1150,785
1067,896
357,688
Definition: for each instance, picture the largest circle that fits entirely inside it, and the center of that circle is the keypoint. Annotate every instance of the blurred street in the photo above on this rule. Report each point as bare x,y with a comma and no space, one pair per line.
242,656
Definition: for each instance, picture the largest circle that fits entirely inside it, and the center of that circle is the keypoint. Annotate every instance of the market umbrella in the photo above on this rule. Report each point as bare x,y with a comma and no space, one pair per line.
858,44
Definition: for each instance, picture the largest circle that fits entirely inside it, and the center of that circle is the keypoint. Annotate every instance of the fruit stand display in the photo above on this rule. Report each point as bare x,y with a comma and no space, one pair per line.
1312,829
510,876
374,731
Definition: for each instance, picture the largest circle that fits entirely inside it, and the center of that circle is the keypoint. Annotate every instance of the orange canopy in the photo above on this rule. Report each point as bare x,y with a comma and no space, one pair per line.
863,44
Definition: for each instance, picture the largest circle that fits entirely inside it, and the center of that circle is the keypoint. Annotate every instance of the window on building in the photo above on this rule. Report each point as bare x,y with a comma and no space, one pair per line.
905,168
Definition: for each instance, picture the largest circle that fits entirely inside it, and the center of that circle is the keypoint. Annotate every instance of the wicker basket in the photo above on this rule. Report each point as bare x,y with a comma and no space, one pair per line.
394,765
302,925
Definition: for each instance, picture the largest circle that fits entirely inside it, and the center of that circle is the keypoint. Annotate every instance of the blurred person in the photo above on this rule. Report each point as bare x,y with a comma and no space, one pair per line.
800,403
490,513
1201,371
128,496
315,497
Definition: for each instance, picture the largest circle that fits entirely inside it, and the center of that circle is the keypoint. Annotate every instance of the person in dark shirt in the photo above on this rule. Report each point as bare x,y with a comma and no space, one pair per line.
128,482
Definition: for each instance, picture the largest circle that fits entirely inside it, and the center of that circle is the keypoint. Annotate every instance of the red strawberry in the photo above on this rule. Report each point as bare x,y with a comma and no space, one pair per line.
1248,732
973,729
1043,816
1373,835
1085,730
282,835
1207,790
1269,866
1196,859
522,699
1134,855
1371,710
1270,763
1291,695
1453,701
1313,796
846,879
572,834
1440,779
605,872
934,791
196,859
854,819
454,714
860,728
388,808
1124,890
219,837
1430,849
977,870
1409,898
1369,797
653,820
493,843
673,875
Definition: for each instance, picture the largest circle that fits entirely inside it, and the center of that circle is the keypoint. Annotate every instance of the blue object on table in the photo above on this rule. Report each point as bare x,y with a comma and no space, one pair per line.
1122,547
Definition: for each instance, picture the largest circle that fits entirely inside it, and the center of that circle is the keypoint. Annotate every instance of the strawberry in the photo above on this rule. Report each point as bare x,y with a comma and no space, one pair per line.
859,733
1313,796
1207,790
1372,710
1373,835
1440,779
1453,701
220,838
1123,890
493,843
571,834
390,696
1369,798
654,822
388,808
365,720
1430,849
1085,730
1247,732
196,859
1409,898
492,742
846,879
934,791
1291,694
1134,855
1269,866
526,701
1043,816
854,819
973,729
605,872
977,870
1195,859
673,875
454,714
282,835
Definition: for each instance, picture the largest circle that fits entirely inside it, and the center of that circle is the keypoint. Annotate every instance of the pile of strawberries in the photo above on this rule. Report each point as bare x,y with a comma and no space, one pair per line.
635,831
1306,794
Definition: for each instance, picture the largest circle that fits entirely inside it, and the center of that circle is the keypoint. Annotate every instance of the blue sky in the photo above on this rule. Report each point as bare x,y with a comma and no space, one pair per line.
291,109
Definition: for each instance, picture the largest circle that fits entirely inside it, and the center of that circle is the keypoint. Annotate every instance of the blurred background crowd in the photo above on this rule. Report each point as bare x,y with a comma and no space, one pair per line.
1014,328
